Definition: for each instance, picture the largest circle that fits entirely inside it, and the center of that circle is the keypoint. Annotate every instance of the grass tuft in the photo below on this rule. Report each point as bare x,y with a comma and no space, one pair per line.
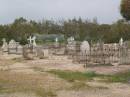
81,76
73,76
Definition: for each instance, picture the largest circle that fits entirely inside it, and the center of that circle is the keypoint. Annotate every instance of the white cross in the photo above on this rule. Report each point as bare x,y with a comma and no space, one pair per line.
30,40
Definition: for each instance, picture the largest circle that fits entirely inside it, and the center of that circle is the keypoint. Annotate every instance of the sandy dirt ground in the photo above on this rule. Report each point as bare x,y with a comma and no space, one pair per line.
17,66
18,95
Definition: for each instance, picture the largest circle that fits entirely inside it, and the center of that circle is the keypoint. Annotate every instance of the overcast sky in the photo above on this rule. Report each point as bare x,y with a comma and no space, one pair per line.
106,11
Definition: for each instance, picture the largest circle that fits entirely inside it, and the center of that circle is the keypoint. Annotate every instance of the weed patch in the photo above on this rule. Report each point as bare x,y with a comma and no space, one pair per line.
73,76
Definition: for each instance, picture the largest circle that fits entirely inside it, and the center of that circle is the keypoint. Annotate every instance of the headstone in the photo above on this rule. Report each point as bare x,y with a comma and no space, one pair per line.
19,49
121,42
70,40
46,53
5,45
28,52
34,40
12,47
85,47
42,52
115,46
56,42
71,43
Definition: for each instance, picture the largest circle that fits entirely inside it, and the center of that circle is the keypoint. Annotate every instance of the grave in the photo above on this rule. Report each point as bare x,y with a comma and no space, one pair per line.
32,41
30,49
85,48
19,49
12,47
71,46
4,46
42,52
56,42
28,52
121,42
84,52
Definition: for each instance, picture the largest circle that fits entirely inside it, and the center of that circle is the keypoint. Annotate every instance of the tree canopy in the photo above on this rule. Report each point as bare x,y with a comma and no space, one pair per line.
125,9
81,29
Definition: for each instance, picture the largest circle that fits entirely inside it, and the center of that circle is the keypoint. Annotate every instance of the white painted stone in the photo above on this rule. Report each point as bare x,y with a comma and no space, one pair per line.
85,47
5,45
121,42
46,53
34,41
19,49
71,43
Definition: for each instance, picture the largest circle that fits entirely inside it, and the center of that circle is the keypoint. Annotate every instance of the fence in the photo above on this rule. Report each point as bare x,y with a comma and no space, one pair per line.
104,54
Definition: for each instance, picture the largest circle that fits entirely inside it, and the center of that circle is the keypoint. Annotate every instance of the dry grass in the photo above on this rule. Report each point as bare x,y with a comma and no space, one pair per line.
12,82
45,82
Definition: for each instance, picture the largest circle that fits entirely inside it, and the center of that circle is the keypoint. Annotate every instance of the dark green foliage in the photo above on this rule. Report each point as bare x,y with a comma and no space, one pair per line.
125,9
21,29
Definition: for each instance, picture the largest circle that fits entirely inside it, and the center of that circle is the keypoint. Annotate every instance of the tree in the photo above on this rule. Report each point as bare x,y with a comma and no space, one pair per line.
125,9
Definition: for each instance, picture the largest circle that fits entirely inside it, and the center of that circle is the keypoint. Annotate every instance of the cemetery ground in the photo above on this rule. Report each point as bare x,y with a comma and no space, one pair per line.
58,76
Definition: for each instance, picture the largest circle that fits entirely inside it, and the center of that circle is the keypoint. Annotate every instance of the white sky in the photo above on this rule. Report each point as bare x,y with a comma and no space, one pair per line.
106,11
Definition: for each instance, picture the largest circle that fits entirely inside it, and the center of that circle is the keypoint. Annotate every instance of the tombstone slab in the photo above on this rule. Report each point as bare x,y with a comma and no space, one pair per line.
12,47
4,46
85,47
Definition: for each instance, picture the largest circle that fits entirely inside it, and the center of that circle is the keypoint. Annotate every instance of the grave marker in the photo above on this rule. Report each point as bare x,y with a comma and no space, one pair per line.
5,45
